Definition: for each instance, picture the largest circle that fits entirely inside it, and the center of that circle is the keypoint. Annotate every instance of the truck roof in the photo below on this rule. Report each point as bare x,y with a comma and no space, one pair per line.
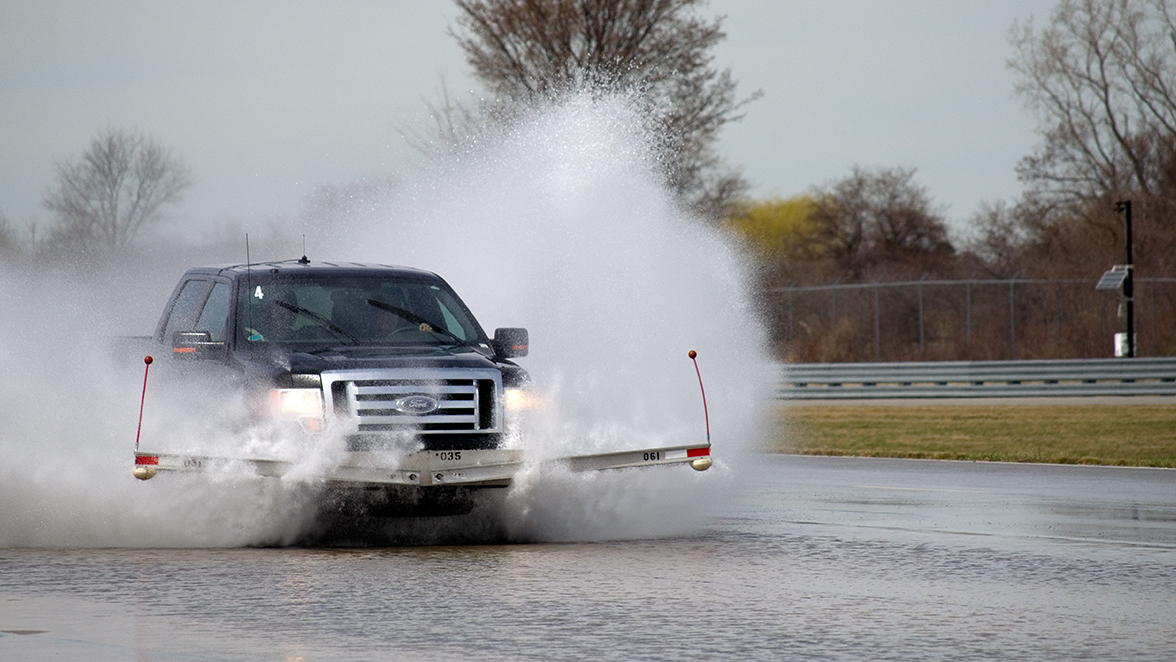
305,266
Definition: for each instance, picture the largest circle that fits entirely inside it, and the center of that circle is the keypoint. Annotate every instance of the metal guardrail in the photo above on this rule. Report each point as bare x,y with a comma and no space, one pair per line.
978,379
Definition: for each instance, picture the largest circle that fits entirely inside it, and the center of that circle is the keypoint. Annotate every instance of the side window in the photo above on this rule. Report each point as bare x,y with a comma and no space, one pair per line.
215,313
451,315
183,313
451,322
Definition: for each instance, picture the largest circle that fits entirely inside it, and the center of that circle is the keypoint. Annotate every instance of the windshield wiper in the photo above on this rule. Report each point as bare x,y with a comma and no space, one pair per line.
416,319
326,323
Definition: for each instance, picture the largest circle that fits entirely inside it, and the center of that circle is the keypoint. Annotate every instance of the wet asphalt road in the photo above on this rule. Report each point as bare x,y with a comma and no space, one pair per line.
816,558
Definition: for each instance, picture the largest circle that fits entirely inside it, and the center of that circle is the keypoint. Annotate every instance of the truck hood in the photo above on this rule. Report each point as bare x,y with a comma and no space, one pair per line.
280,366
370,358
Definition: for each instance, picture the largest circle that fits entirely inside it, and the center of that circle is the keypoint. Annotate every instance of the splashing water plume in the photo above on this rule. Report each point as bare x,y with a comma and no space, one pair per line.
69,431
560,225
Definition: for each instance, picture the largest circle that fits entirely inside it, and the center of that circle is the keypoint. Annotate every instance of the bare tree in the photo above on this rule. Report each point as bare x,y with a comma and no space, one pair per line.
1102,77
454,124
530,51
879,218
120,184
9,244
998,238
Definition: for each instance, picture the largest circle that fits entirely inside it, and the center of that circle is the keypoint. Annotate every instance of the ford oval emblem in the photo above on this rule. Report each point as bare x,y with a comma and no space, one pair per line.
415,404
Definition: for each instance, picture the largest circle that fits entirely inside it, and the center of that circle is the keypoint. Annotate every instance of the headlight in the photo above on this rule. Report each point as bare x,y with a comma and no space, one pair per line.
517,399
298,402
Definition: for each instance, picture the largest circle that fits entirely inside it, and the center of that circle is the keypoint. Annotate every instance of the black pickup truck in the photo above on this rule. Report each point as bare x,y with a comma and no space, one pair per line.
385,360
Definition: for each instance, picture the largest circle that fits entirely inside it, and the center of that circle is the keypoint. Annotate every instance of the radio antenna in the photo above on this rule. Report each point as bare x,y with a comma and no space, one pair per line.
248,286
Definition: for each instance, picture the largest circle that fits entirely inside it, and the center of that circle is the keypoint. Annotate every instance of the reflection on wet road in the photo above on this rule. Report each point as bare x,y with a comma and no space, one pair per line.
1128,506
818,558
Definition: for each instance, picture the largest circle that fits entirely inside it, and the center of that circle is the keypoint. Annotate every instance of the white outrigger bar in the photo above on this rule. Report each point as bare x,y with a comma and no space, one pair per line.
466,468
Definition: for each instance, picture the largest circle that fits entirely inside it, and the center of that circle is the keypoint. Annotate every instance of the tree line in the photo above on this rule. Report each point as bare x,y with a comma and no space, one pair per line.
1100,75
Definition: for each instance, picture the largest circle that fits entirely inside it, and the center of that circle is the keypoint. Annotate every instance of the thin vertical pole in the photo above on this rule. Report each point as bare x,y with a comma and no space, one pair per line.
922,346
1128,283
968,310
146,369
1059,302
694,357
1012,321
878,323
791,314
1155,333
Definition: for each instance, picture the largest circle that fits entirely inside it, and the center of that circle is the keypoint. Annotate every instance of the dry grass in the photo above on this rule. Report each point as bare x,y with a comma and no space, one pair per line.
1133,435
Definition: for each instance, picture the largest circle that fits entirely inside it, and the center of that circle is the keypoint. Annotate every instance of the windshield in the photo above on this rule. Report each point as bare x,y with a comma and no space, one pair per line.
324,310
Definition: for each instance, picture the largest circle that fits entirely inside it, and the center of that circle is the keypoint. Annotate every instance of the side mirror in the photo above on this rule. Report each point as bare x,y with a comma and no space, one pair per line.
196,345
511,343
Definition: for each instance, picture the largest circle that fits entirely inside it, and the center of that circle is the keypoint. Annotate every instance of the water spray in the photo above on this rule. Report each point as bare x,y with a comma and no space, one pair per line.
142,471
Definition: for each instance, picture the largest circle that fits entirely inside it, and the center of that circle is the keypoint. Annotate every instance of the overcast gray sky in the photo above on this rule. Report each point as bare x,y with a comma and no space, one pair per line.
267,99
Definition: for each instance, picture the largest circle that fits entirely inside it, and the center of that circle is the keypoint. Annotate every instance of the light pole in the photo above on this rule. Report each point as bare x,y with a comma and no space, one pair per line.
1128,283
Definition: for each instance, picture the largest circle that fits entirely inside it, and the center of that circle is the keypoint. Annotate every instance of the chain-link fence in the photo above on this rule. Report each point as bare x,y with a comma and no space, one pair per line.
933,320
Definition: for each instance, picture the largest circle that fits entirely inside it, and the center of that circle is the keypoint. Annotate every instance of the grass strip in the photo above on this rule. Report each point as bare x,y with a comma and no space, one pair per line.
1125,435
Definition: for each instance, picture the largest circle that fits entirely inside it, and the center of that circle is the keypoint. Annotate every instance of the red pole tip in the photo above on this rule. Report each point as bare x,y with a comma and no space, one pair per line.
692,354
148,360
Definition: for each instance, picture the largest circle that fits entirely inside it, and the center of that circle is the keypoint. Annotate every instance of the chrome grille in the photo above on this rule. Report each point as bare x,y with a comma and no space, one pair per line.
382,400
